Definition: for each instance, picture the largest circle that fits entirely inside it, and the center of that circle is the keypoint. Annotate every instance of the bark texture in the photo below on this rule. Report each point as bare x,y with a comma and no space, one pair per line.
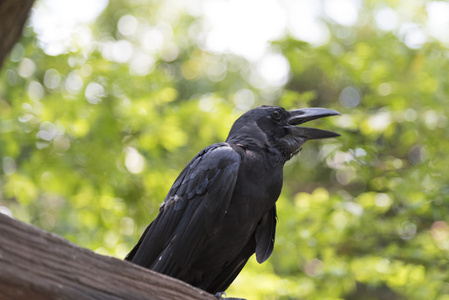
35,264
13,15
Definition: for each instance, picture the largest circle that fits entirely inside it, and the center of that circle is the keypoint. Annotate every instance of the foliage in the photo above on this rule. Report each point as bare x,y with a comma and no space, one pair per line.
92,140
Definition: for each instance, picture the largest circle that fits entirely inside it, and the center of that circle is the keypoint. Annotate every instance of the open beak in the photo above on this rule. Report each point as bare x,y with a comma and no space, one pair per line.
304,115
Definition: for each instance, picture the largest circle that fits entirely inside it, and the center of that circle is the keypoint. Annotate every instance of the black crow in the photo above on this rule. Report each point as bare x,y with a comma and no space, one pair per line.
222,207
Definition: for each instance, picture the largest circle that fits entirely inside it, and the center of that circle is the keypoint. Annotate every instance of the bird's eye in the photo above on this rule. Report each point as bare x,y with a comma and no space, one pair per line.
276,115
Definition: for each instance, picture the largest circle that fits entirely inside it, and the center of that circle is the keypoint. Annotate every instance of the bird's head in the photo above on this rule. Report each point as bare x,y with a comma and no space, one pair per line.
273,127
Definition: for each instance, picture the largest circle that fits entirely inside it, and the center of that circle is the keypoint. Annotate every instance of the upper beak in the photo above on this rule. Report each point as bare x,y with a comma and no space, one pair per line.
304,115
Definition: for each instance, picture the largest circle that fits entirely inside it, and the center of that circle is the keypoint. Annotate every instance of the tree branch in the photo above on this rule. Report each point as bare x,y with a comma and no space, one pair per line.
13,15
36,264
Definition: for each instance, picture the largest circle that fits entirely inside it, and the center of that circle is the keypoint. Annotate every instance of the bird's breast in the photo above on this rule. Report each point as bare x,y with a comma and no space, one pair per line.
258,186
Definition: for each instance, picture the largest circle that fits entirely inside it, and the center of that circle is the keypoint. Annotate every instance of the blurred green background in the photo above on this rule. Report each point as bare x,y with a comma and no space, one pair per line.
103,103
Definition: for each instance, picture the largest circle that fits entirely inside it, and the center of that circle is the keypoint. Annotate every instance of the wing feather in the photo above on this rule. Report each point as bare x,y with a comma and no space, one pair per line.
196,203
265,233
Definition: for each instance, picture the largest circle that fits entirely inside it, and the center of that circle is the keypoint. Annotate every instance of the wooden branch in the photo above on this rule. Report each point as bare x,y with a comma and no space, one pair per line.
13,15
35,264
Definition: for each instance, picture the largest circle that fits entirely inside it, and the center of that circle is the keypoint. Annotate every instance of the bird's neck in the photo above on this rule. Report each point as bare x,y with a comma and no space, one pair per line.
258,148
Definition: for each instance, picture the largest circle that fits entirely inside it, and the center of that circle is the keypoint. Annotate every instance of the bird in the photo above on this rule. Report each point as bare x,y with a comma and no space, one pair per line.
221,209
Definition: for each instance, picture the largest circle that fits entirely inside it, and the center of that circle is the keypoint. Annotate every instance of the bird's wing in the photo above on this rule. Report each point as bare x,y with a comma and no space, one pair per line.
196,203
264,234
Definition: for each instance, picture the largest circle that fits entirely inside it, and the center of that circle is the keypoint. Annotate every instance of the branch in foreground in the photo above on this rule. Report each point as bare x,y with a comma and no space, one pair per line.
13,15
35,264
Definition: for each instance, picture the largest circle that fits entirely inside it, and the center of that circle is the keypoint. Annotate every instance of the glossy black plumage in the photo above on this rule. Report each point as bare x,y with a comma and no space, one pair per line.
221,208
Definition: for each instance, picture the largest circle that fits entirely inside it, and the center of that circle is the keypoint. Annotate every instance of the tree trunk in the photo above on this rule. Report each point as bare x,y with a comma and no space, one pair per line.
38,265
13,15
